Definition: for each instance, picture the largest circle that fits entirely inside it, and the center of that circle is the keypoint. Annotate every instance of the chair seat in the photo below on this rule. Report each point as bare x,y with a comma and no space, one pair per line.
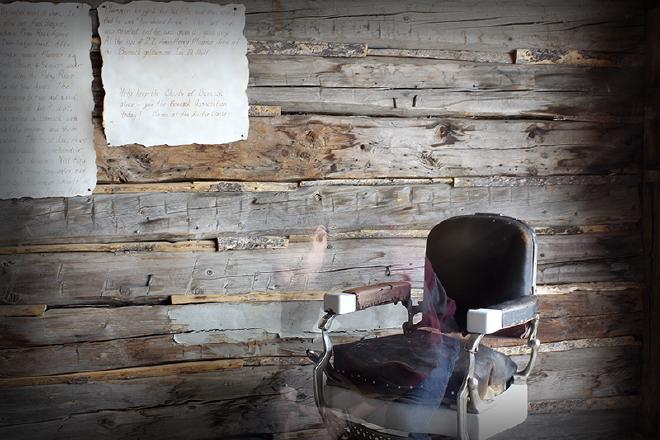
420,367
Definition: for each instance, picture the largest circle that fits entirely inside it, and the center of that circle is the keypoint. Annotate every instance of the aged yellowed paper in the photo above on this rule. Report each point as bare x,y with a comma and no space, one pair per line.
46,134
174,73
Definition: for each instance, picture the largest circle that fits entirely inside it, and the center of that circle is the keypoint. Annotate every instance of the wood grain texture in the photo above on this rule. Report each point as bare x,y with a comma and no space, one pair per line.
577,315
591,25
425,73
195,216
410,102
159,396
93,278
314,147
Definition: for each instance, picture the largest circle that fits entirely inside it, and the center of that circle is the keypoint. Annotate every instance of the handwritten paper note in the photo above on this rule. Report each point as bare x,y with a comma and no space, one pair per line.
174,73
46,133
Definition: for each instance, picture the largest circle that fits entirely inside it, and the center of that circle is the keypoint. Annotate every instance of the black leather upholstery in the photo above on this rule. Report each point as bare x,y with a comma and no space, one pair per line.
482,260
393,367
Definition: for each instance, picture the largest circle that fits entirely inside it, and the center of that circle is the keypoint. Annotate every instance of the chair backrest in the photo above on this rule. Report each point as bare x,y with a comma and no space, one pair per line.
482,260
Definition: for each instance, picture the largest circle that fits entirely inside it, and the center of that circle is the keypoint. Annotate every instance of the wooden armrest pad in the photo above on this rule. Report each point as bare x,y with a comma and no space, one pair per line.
383,293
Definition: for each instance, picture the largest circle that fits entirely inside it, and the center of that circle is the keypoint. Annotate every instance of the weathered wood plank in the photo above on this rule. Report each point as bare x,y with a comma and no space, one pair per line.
601,314
451,76
590,25
195,216
576,57
585,373
92,278
178,368
529,104
312,147
260,415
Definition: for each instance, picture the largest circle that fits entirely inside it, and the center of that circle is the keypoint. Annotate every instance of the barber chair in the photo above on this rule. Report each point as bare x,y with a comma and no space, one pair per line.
479,280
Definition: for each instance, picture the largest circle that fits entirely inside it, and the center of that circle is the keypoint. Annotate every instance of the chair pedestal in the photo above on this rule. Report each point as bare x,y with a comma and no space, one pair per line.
506,411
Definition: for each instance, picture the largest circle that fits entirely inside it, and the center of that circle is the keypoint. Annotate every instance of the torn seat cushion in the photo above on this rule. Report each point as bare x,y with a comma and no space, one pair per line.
422,367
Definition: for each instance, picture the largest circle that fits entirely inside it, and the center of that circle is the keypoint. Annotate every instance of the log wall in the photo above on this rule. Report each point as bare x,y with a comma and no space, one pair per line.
178,300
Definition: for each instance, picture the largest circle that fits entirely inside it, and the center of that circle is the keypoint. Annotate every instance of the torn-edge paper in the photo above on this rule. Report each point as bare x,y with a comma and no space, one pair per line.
174,73
46,102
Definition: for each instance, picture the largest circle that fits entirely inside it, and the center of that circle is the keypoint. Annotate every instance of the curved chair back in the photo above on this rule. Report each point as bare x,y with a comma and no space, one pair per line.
482,260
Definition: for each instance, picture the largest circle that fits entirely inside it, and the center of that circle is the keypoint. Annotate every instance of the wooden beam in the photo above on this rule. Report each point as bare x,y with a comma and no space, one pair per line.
107,278
339,147
420,25
625,107
343,208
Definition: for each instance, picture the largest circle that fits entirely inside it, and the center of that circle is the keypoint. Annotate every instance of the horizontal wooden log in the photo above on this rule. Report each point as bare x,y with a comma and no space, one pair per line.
578,315
450,76
194,216
93,278
585,373
576,57
312,147
590,25
191,420
410,102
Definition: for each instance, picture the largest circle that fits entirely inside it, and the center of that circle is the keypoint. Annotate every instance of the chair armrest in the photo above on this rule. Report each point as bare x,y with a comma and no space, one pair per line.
360,298
504,315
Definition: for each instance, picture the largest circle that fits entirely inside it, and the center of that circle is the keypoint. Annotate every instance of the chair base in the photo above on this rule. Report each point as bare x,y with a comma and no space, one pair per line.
503,412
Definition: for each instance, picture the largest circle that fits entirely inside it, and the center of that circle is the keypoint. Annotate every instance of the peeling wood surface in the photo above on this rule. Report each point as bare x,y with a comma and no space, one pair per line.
577,57
307,48
204,186
445,54
315,147
264,110
195,216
